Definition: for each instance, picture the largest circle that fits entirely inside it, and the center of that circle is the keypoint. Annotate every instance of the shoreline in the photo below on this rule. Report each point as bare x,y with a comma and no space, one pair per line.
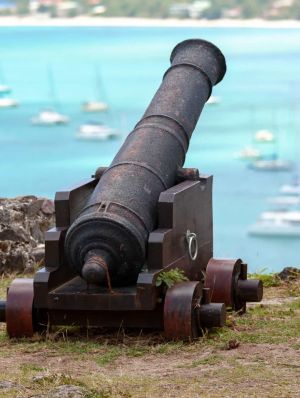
86,21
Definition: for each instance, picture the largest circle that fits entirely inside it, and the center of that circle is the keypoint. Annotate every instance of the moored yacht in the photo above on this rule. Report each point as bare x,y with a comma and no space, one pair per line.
275,227
248,153
95,131
4,89
280,222
290,189
49,117
264,136
271,165
6,102
94,106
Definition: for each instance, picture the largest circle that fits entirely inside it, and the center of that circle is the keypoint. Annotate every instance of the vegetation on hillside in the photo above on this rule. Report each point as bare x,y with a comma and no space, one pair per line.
215,9
246,8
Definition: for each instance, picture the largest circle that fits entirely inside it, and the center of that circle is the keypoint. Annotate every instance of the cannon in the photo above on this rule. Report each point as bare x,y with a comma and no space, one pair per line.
140,218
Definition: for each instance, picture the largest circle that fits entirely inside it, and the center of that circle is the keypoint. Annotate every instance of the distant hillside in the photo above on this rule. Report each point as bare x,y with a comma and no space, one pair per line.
209,9
270,9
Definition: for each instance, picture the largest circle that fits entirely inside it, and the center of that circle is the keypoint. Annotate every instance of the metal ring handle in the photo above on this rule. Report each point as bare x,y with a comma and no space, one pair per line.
191,238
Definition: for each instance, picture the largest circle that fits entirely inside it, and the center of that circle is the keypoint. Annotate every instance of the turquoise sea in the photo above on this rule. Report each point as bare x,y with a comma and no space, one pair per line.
260,91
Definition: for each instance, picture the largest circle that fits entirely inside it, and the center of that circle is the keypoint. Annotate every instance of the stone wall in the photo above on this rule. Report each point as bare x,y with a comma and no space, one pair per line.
23,222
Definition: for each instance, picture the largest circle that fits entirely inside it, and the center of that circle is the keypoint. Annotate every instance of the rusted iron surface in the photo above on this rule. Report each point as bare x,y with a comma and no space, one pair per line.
109,319
99,172
188,312
249,290
95,269
180,320
184,174
69,203
19,308
185,206
212,315
227,280
121,212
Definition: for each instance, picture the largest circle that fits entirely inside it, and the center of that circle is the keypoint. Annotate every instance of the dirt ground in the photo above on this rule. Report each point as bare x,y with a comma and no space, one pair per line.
255,355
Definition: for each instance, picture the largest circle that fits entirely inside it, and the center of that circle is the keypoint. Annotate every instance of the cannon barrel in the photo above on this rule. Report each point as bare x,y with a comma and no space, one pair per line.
107,242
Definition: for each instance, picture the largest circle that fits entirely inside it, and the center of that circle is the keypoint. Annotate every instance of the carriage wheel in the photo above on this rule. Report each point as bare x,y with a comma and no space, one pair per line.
227,280
180,307
19,312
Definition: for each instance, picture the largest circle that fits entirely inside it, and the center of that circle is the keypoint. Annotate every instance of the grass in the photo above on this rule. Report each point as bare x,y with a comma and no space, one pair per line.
269,280
257,354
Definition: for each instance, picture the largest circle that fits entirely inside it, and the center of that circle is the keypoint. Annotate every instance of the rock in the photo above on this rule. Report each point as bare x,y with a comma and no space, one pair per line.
23,222
7,385
5,246
289,273
14,233
68,391
17,259
36,232
48,207
65,391
38,253
34,207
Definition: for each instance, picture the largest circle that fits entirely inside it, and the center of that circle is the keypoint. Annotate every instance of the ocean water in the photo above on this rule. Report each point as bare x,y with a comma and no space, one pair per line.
59,67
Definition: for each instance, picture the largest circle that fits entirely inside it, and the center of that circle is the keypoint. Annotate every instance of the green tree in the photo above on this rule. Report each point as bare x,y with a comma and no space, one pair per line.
22,7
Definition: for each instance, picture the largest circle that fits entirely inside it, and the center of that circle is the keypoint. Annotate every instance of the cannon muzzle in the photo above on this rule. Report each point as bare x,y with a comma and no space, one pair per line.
107,242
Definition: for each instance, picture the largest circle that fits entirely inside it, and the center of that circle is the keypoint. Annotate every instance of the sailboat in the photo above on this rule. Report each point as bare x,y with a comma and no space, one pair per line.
286,200
279,226
248,153
96,131
50,116
264,136
96,105
6,102
284,220
290,189
272,161
271,165
4,89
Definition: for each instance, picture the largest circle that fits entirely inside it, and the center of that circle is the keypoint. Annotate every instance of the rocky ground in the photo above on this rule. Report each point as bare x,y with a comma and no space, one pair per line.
23,222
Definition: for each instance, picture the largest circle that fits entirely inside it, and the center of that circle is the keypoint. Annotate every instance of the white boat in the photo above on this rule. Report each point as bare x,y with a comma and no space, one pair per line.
277,223
94,131
277,227
248,153
290,189
212,100
49,117
94,106
4,89
6,102
271,165
289,200
281,215
264,136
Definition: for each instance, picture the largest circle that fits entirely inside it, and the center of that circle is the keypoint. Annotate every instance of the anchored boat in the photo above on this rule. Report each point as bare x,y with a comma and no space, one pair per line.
95,131
6,102
49,117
